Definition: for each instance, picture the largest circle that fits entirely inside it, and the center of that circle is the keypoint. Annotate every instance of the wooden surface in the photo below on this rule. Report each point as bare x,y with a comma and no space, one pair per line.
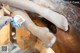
5,34
67,42
24,38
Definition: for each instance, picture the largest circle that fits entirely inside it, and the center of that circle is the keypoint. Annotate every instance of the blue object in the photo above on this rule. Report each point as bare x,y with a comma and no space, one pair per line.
14,21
